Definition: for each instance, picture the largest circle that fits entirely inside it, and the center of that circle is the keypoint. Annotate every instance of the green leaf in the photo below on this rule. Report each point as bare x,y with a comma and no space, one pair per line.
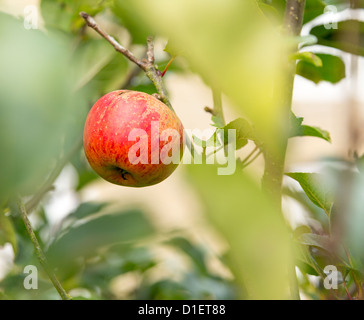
313,184
89,58
305,261
332,69
348,36
313,9
308,57
244,132
86,209
34,128
111,76
207,29
137,28
270,11
316,132
301,230
273,8
217,121
86,239
297,129
315,240
173,49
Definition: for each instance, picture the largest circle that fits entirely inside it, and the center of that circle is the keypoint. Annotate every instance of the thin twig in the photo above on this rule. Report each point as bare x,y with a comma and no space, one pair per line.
150,50
39,252
249,162
117,46
249,155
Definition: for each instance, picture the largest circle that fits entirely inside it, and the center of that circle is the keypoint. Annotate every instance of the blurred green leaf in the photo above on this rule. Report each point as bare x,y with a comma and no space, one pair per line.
87,238
297,129
39,108
313,9
13,286
244,132
112,76
332,69
301,230
194,252
244,73
315,240
313,184
313,211
242,127
145,86
353,229
7,232
89,58
85,177
86,209
173,49
305,262
138,28
273,8
246,217
348,36
64,14
270,12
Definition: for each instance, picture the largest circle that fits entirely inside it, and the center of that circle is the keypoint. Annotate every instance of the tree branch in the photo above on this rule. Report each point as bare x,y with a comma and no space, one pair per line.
275,159
150,50
117,46
39,252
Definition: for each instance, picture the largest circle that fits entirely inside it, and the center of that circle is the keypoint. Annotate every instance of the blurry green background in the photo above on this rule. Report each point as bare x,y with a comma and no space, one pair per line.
196,235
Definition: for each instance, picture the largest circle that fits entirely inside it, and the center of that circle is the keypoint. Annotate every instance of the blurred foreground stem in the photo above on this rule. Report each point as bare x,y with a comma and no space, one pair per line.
39,252
275,159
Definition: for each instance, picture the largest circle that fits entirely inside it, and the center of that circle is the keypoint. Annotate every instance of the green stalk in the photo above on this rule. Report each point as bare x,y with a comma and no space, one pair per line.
275,159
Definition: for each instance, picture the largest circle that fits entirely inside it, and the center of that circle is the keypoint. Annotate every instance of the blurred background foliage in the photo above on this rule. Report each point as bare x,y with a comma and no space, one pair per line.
51,77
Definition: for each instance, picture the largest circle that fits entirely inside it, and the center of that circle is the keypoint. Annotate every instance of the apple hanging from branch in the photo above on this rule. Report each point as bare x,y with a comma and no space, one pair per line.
132,139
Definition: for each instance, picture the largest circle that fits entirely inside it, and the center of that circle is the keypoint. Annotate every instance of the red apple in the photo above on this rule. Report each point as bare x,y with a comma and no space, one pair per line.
116,147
